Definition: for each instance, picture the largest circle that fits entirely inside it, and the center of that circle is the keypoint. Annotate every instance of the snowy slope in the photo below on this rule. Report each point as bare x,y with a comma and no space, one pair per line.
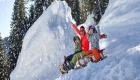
50,38
45,44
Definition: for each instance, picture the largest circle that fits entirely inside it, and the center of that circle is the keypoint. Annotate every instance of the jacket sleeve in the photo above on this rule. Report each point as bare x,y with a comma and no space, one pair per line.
98,32
76,29
88,36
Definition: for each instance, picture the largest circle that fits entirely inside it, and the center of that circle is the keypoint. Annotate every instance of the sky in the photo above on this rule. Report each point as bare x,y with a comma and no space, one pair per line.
6,9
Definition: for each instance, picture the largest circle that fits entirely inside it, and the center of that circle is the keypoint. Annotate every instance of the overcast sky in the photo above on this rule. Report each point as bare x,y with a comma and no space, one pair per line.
6,10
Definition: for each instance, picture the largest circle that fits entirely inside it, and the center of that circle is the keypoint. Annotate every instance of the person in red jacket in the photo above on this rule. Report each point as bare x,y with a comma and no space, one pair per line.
83,36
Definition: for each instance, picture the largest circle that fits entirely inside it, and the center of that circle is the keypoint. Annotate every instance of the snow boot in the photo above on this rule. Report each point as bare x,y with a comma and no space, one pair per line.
62,70
65,67
71,65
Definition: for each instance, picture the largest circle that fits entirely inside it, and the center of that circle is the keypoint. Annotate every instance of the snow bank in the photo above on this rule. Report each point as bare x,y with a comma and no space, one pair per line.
45,44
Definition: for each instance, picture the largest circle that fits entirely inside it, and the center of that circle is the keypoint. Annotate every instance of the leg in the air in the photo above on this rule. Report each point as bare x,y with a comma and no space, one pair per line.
101,53
96,54
77,56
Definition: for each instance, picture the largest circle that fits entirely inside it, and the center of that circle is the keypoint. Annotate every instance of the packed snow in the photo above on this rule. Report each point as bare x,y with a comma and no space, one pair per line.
51,37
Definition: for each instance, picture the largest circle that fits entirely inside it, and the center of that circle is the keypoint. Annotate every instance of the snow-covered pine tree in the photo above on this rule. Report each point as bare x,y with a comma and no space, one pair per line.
46,3
37,9
86,8
104,4
100,6
1,49
2,61
5,68
18,26
74,5
31,18
97,7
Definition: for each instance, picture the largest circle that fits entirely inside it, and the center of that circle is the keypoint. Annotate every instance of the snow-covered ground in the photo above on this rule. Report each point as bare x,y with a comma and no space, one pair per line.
51,37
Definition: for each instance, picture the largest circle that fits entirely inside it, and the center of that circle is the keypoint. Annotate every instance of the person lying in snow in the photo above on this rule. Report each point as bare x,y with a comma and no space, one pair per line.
93,38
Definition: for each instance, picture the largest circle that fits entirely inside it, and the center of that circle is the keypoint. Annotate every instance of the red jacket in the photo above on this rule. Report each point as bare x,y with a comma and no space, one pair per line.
84,39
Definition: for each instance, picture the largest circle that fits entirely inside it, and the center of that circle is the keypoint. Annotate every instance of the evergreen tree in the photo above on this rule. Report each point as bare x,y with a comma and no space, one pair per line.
47,3
74,5
18,26
31,16
3,61
100,6
5,68
97,11
1,41
36,10
40,6
97,7
104,4
87,7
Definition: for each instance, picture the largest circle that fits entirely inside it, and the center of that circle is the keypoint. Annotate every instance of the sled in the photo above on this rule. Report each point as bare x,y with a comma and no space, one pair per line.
88,58
96,54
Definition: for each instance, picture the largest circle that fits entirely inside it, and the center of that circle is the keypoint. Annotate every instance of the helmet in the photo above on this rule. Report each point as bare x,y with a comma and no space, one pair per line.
91,27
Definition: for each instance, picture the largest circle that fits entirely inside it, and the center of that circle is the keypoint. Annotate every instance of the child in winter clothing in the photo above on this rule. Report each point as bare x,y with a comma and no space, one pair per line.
67,60
93,37
77,48
83,36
